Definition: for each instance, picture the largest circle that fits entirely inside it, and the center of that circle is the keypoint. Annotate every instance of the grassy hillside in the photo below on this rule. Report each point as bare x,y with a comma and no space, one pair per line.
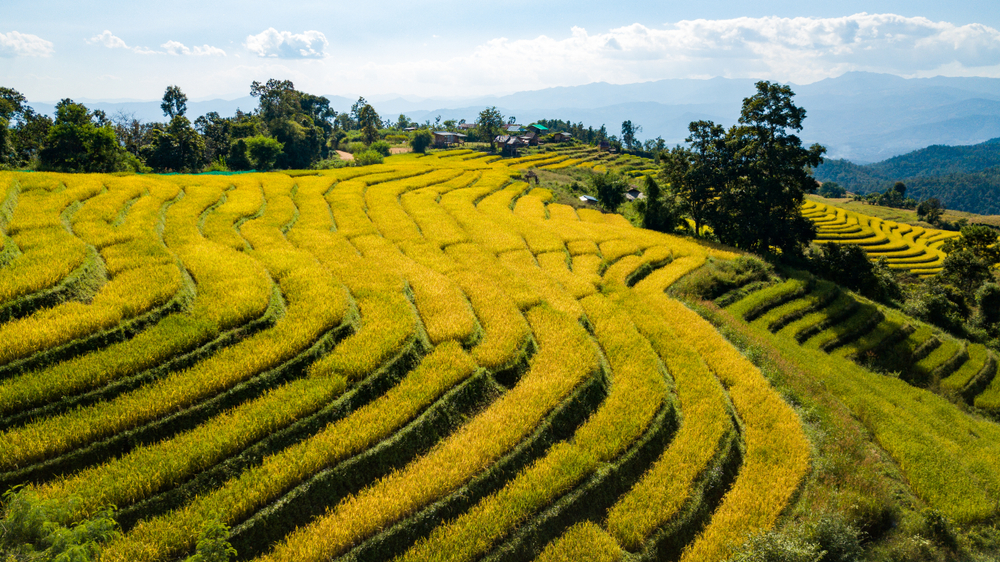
430,359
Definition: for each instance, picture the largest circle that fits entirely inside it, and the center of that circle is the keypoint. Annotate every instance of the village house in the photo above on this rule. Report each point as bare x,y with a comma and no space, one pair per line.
444,139
508,144
539,130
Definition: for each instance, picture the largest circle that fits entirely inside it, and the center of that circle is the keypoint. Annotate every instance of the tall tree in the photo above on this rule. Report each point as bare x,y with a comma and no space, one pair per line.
369,121
355,115
489,123
300,122
174,102
177,148
659,208
628,134
765,175
695,174
609,188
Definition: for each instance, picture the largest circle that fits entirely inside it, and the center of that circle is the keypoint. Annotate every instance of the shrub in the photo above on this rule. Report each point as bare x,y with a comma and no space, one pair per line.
381,147
219,165
988,301
367,158
848,265
263,152
609,188
839,541
941,305
212,544
331,163
832,190
772,546
940,528
421,140
355,147
30,531
238,159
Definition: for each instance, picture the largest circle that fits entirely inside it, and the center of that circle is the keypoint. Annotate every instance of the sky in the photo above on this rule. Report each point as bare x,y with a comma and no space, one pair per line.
134,49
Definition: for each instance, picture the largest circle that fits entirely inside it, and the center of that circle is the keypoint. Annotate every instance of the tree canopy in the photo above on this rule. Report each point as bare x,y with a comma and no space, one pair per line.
78,141
748,182
489,123
174,102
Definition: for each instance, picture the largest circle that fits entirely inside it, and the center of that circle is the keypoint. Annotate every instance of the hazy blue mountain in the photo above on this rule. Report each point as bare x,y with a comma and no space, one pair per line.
859,116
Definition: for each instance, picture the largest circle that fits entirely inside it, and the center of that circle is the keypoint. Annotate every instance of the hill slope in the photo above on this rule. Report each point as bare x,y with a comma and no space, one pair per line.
428,359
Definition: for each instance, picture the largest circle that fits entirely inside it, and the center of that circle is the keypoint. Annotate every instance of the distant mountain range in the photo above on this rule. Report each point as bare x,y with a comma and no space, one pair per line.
966,178
862,117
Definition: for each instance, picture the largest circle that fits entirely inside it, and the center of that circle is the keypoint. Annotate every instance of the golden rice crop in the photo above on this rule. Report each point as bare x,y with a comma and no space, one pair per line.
445,312
771,429
663,490
564,359
583,541
164,536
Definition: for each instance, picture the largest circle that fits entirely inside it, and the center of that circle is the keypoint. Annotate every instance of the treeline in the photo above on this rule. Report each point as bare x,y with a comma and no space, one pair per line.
289,129
966,178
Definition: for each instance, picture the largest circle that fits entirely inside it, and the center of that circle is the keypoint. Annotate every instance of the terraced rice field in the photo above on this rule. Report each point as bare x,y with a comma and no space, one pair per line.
904,247
946,456
421,360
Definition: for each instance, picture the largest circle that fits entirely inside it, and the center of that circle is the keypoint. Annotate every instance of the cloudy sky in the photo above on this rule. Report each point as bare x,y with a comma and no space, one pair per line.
133,49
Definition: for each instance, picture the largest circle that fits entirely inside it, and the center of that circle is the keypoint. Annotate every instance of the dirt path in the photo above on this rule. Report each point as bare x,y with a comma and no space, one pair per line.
400,150
347,156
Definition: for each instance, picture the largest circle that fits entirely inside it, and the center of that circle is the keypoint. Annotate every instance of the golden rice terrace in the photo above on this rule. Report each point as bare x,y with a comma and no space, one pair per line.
421,360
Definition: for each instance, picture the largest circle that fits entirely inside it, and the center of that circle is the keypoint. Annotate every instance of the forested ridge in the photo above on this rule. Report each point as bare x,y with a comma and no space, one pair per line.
966,178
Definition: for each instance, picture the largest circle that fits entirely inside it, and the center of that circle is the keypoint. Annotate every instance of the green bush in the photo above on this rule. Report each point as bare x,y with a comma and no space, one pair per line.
421,140
609,188
772,546
219,165
238,158
839,541
381,147
367,158
832,190
30,531
331,163
213,544
263,152
355,147
848,265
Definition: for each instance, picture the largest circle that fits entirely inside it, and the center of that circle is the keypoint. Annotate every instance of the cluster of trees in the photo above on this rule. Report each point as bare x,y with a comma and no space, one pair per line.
832,190
964,298
288,129
894,197
746,183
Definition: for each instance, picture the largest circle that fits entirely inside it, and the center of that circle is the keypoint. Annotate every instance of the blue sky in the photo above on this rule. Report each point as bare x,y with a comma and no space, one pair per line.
133,49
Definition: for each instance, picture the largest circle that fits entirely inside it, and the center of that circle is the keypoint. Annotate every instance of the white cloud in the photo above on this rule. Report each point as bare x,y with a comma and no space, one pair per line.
16,44
177,48
108,40
800,50
287,45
